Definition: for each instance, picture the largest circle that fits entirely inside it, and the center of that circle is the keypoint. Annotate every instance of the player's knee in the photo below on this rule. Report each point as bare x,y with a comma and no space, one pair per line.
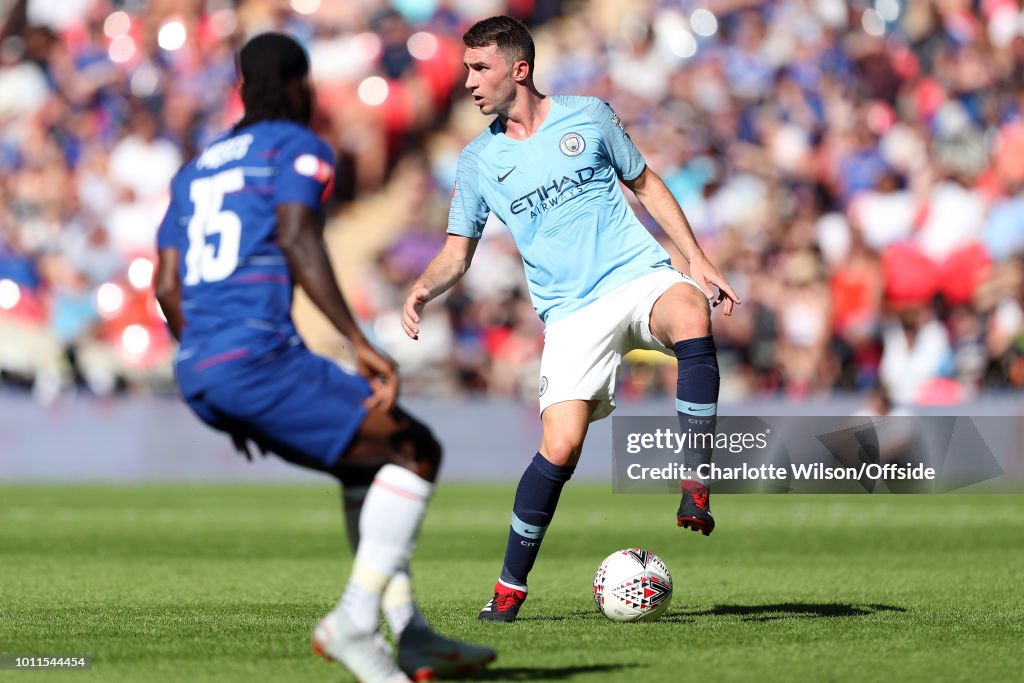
692,319
430,453
562,450
427,451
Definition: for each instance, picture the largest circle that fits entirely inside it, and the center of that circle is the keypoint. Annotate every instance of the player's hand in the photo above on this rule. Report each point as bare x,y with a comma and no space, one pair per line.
706,275
383,377
413,309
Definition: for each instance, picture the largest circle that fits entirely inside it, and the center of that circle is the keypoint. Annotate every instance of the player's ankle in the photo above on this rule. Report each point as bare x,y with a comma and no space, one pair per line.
504,585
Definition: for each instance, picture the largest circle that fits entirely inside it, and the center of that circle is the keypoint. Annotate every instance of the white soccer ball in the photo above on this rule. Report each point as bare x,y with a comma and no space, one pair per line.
632,585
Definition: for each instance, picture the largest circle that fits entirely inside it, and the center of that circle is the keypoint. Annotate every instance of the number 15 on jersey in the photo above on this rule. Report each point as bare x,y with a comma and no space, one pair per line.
205,262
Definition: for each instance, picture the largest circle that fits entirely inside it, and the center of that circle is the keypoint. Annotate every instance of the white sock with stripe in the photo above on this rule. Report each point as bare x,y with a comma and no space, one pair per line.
388,526
398,600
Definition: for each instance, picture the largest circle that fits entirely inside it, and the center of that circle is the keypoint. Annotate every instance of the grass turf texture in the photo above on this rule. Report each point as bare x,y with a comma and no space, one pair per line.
177,583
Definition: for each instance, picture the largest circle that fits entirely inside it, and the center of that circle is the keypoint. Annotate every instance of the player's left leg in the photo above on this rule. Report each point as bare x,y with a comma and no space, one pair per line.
681,320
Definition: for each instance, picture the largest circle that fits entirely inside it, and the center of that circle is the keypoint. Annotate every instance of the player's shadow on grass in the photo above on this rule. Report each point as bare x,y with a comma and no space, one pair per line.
786,610
531,673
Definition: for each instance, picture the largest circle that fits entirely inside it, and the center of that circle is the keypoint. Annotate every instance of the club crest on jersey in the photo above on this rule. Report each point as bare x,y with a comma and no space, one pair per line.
543,385
572,144
312,166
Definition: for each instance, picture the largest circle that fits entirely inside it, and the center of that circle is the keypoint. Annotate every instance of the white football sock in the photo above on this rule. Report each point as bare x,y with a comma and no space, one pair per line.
398,601
388,526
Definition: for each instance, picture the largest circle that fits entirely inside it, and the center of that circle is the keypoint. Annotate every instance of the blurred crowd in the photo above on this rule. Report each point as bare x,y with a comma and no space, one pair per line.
856,169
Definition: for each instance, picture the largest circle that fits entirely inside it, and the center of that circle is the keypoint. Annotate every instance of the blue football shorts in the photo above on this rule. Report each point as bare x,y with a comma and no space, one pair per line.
296,404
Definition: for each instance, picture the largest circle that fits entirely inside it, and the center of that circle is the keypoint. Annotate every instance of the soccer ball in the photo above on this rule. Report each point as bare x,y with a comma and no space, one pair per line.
632,585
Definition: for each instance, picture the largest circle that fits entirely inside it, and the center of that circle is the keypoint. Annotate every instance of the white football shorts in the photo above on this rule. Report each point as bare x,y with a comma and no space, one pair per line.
583,351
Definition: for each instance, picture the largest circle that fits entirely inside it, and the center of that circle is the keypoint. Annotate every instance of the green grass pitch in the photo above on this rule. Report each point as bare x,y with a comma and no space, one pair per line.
223,583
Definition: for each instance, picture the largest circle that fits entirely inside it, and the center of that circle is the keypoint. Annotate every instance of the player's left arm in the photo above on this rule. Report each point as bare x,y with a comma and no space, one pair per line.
648,187
653,194
304,169
299,236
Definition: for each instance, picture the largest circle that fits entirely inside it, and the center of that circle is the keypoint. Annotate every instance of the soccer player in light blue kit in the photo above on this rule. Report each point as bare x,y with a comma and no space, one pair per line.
550,167
243,227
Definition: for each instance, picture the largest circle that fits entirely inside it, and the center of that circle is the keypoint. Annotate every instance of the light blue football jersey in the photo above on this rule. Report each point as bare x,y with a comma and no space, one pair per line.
558,192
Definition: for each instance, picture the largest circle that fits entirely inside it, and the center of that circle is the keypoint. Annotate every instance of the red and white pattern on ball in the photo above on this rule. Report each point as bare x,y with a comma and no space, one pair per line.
642,593
632,584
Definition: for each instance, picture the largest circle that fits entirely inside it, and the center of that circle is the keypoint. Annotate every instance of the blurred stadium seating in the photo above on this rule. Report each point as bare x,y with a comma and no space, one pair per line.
856,168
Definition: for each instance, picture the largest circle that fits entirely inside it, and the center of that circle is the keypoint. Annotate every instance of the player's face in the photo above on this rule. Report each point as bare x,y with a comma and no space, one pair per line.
489,79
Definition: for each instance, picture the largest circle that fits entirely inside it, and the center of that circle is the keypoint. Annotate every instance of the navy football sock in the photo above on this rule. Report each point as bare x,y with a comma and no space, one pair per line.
697,398
536,499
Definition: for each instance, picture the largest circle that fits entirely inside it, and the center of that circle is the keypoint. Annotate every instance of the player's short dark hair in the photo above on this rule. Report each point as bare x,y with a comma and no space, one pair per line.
509,35
266,65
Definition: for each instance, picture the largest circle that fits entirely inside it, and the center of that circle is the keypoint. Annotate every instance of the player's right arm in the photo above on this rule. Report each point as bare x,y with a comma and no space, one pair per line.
441,274
466,219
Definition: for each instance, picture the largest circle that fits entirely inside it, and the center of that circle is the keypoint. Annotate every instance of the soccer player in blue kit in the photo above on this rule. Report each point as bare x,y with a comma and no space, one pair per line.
244,224
550,167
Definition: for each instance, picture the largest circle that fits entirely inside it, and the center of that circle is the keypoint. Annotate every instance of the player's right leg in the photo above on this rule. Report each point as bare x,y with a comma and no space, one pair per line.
565,426
402,470
386,440
578,369
421,650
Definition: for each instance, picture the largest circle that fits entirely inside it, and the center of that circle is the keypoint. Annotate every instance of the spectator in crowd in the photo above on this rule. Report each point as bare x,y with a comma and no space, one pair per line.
856,168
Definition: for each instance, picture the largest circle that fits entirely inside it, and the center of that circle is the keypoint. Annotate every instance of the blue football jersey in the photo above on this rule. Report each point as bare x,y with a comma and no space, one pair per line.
236,287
